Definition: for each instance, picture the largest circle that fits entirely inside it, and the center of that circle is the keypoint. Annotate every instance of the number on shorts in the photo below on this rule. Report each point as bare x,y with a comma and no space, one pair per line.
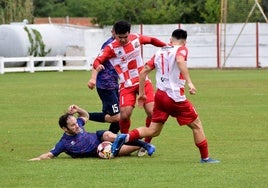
115,108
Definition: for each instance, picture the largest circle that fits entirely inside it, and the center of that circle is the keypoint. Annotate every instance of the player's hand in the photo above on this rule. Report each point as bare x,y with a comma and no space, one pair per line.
192,89
35,159
141,100
73,109
100,68
91,84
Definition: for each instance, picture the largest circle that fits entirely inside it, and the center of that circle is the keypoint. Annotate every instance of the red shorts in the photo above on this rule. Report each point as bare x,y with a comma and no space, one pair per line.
128,95
164,106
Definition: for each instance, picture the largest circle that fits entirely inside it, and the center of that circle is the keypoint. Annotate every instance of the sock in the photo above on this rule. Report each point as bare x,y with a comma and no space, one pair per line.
148,122
97,116
124,126
133,135
114,127
203,149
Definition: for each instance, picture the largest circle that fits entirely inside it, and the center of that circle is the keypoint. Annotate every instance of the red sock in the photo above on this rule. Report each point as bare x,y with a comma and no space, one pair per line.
133,135
203,149
124,126
148,122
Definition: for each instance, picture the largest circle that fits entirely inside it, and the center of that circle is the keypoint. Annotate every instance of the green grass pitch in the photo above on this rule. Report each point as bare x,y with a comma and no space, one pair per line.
232,104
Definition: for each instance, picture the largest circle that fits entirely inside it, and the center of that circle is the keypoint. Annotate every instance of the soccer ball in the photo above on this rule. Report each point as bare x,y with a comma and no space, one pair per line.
104,150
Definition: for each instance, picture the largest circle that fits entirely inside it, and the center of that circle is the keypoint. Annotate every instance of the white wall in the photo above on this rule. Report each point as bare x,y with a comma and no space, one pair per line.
202,42
204,51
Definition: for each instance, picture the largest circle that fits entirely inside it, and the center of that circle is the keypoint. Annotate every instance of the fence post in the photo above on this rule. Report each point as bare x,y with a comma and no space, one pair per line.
2,65
60,63
30,64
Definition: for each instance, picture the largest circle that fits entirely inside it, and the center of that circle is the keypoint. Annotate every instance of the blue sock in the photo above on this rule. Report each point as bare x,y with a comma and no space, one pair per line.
97,116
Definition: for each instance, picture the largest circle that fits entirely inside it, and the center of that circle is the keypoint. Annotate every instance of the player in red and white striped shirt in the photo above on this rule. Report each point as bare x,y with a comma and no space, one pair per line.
170,100
124,53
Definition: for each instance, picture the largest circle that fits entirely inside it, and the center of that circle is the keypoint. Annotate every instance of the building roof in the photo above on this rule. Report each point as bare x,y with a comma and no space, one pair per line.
80,21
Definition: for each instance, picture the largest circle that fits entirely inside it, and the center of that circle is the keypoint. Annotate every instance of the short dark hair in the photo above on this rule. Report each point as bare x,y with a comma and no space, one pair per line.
179,34
63,120
122,27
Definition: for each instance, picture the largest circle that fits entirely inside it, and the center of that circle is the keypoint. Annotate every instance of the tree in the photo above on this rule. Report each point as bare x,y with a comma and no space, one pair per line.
264,4
16,11
53,8
211,12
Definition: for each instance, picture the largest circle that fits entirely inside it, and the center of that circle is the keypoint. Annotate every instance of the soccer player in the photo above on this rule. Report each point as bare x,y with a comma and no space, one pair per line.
78,143
170,100
108,91
124,53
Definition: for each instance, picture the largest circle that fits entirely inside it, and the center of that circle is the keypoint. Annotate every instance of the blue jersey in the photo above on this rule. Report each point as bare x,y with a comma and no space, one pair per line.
83,144
107,78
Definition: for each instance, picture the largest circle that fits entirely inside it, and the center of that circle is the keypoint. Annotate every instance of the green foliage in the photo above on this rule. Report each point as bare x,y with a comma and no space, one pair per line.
50,8
231,103
211,12
136,11
239,12
16,11
37,46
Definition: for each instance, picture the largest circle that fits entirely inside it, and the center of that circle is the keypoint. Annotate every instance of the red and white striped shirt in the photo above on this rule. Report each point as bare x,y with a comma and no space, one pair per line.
168,75
127,59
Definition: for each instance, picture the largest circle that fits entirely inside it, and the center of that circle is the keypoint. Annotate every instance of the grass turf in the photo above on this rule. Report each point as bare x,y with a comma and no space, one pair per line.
232,105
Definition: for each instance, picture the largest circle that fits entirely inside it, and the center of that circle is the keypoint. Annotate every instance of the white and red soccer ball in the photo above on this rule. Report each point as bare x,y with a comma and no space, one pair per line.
104,150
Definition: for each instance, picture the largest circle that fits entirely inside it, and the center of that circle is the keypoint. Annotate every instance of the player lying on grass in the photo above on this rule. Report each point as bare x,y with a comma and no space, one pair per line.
78,143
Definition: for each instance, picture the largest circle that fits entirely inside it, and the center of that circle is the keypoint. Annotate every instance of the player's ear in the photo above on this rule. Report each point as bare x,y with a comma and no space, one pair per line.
64,129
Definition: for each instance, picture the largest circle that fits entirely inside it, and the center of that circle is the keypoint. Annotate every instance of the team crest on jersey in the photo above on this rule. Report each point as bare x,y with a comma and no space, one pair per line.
119,53
123,59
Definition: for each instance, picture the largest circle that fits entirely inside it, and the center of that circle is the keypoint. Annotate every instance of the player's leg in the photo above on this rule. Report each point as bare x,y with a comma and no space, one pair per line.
159,117
149,148
149,105
201,141
127,103
110,109
197,129
110,102
106,135
127,150
125,121
142,132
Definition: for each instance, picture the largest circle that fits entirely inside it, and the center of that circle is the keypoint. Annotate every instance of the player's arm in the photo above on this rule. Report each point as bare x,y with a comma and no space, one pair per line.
80,111
92,81
105,54
142,78
44,156
152,40
185,73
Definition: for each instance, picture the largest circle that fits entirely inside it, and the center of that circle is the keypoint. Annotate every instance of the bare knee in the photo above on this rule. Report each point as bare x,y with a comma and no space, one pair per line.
125,113
109,136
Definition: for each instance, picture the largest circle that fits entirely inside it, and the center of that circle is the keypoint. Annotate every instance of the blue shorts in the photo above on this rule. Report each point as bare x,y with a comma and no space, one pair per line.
110,101
100,134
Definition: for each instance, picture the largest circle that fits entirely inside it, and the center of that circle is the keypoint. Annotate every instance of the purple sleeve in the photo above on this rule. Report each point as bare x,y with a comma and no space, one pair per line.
80,122
59,148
